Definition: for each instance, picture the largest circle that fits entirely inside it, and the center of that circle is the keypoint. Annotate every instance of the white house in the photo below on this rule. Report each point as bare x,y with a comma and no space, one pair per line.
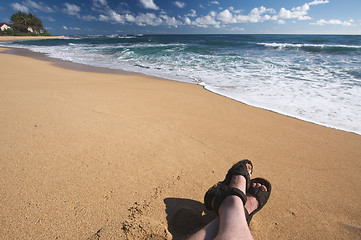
4,26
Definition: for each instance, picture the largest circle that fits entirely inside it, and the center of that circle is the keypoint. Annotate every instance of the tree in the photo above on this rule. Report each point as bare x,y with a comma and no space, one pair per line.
26,19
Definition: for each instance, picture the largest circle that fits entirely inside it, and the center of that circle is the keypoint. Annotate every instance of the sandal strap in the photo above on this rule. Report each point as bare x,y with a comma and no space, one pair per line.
239,168
226,191
261,196
211,194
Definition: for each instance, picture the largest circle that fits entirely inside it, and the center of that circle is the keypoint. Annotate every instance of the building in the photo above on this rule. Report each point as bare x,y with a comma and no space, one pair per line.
21,28
4,26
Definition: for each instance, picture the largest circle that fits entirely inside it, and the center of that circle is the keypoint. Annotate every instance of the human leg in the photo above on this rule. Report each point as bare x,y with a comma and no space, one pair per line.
232,218
214,199
210,231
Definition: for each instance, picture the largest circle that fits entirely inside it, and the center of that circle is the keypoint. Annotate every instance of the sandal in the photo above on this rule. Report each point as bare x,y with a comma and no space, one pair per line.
219,190
225,192
261,196
239,168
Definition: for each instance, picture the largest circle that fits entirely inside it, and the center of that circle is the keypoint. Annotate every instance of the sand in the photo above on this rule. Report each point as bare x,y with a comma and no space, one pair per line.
87,155
23,38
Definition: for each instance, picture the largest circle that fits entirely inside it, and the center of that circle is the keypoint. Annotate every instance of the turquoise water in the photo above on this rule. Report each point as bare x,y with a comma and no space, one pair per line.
316,78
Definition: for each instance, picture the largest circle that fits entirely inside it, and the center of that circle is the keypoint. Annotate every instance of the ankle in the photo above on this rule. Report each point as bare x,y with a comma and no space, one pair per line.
251,204
239,182
232,202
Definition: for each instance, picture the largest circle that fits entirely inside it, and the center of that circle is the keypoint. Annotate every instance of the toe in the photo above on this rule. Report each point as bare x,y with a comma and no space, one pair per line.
249,168
263,188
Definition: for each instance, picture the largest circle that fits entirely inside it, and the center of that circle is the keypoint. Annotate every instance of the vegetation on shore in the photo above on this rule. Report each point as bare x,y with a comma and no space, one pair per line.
25,24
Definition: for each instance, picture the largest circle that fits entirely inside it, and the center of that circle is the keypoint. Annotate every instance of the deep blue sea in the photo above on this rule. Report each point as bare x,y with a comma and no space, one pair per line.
316,78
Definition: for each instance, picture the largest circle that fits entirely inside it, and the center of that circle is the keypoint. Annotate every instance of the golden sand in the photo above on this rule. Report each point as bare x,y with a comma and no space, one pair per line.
87,155
23,38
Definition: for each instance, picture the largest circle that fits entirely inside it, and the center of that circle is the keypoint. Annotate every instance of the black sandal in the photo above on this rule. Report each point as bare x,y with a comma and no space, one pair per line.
226,191
221,190
261,196
239,168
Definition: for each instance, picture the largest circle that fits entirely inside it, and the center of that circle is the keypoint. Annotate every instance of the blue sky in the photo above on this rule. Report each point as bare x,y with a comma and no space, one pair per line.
79,17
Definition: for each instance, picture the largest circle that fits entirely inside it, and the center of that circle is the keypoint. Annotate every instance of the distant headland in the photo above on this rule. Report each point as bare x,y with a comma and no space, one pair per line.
23,24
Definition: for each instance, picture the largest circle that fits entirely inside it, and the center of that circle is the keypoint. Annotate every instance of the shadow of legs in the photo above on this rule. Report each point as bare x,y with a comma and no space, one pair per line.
186,216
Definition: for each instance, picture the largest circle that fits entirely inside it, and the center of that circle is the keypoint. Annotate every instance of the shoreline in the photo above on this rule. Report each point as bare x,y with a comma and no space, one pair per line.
62,63
89,154
88,68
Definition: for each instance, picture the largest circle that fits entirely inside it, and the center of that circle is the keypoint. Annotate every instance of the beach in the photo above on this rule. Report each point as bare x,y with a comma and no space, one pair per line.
97,155
24,38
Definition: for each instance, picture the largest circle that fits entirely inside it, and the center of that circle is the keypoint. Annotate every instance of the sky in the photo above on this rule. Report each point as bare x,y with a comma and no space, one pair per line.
87,17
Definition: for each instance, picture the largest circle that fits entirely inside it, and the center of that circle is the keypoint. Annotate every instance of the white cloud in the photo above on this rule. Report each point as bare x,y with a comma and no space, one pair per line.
103,18
179,4
297,12
142,19
71,28
214,3
171,21
226,17
99,5
317,2
19,7
112,16
148,19
333,22
25,6
256,15
187,21
102,2
88,18
149,4
71,9
129,17
206,21
49,19
193,13
38,6
237,29
234,10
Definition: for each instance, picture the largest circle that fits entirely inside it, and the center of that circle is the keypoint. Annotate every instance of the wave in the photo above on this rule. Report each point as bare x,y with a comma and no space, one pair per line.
321,88
312,47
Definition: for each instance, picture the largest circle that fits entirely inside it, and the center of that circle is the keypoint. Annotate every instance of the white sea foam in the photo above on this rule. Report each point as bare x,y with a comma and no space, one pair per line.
305,86
300,45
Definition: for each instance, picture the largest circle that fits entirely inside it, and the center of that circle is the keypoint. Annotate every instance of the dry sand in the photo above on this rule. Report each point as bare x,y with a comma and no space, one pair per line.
23,38
87,155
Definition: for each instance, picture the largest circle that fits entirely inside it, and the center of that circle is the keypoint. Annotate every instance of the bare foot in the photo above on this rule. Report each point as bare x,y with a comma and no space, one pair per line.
252,202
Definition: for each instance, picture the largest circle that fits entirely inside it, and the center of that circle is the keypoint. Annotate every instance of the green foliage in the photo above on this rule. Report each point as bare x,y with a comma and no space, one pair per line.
14,32
26,19
21,21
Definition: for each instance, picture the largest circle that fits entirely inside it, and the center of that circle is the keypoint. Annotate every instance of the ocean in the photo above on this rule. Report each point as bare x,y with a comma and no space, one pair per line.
316,78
